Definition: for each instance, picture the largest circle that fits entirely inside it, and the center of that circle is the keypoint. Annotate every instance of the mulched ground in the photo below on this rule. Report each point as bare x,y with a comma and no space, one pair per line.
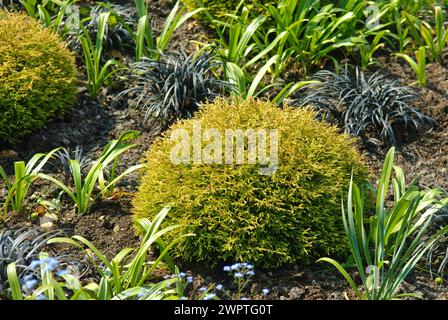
90,124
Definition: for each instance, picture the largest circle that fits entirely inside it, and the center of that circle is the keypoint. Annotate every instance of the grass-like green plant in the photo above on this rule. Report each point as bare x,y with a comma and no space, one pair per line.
238,78
418,65
51,13
121,24
84,186
244,89
236,36
316,29
241,43
119,34
401,31
146,43
387,246
220,8
368,48
244,46
24,176
434,38
127,276
98,72
65,155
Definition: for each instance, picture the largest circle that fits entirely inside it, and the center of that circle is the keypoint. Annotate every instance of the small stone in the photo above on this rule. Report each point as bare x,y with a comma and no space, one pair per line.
80,89
8,154
48,220
296,293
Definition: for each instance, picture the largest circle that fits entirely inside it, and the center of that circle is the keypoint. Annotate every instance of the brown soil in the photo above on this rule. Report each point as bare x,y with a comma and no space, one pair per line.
427,155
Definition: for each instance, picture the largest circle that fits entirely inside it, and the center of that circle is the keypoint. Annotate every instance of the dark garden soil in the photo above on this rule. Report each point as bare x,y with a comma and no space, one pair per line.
91,124
427,154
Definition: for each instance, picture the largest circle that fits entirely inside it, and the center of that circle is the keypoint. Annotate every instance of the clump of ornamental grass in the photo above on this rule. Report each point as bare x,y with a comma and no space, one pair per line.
118,35
388,245
10,4
245,212
173,87
221,8
21,246
128,276
366,104
65,155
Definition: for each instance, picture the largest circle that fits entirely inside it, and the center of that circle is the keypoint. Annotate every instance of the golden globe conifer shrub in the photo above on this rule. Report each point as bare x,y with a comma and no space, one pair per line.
37,76
238,214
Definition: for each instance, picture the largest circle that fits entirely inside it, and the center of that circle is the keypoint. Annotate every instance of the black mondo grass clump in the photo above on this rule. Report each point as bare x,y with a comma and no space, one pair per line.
64,155
173,87
10,4
23,247
367,105
122,22
119,28
437,257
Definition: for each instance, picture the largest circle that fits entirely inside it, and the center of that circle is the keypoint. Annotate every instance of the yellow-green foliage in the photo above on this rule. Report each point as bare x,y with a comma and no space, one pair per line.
220,8
37,76
238,214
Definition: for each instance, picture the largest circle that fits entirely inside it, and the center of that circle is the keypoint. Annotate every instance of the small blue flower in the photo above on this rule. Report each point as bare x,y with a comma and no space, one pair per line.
141,294
210,296
30,284
236,266
265,291
61,273
238,275
182,274
52,261
41,297
219,287
227,268
28,277
250,273
51,264
203,289
35,263
249,266
183,298
190,279
244,264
